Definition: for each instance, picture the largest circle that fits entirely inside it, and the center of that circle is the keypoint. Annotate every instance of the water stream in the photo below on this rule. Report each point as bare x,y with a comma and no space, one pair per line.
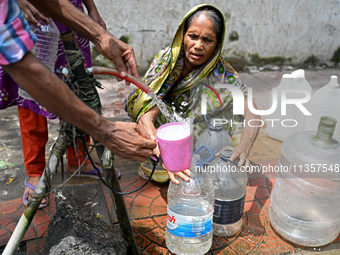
162,107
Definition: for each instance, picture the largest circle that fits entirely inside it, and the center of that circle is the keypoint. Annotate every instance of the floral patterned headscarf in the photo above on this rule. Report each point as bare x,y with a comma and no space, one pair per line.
185,96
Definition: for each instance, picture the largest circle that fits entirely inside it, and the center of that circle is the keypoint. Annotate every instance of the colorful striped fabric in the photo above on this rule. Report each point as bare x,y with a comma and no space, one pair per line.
16,39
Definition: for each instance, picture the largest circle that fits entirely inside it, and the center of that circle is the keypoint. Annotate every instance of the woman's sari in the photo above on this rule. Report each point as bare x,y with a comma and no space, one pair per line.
186,97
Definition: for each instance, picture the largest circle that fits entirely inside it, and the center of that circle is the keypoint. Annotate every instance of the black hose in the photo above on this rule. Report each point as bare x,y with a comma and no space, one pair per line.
104,182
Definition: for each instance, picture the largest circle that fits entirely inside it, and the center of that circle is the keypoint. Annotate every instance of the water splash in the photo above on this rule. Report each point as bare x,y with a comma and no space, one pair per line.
162,107
175,117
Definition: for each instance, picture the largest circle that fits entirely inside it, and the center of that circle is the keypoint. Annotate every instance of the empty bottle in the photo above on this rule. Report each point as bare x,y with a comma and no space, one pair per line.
230,184
213,138
305,206
46,47
190,213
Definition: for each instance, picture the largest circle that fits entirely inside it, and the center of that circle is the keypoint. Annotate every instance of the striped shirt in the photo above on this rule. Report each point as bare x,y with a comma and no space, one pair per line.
16,39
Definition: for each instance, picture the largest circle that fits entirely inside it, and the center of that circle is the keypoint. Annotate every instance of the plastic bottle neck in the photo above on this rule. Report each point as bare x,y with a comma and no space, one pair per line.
324,135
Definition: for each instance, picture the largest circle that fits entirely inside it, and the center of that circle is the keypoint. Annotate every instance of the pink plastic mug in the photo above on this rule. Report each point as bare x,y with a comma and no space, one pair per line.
175,146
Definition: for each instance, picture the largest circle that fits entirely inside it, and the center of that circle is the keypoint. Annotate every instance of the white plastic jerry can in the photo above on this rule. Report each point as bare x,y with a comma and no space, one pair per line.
292,97
324,101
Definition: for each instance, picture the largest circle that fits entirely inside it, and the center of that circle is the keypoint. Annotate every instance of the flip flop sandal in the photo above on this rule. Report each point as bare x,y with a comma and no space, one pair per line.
32,187
118,173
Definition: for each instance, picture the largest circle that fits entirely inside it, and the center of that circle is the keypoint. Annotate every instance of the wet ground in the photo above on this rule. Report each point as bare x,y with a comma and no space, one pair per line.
147,208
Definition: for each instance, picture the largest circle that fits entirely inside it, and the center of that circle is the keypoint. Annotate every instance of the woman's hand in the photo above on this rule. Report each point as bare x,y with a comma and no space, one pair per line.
30,12
146,122
185,175
241,152
248,137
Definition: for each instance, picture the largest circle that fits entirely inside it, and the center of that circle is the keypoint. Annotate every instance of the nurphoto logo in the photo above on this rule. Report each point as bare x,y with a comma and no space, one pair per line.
238,105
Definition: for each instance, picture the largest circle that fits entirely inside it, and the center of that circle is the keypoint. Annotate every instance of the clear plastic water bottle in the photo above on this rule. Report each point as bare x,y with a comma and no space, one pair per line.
46,48
230,184
190,213
214,138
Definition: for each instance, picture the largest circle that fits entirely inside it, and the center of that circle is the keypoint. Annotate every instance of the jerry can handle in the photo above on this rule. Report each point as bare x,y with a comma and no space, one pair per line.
200,163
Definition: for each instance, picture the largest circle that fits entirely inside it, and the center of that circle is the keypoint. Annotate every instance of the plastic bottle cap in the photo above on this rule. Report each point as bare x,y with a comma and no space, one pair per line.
44,28
215,125
227,151
64,71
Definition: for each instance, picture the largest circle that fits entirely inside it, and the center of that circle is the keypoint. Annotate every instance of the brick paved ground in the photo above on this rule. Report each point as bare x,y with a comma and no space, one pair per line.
147,208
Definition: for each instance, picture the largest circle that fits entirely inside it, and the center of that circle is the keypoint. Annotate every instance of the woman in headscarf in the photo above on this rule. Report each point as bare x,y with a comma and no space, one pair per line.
181,73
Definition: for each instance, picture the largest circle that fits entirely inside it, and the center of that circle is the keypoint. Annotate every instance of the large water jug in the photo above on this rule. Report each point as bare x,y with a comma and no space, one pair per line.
324,101
230,190
190,213
46,48
280,126
305,203
215,137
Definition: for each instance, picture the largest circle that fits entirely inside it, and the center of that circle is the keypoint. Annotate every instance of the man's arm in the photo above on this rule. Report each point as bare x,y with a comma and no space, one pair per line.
93,12
126,140
116,51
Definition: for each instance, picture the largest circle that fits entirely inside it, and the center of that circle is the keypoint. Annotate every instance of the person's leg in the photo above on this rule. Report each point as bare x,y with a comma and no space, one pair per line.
75,158
34,136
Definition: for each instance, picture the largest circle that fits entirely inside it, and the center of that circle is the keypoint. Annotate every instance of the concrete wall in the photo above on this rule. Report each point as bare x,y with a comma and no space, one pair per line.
294,29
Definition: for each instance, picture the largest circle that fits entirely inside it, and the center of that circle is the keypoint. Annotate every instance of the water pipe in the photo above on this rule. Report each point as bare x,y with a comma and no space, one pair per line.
129,78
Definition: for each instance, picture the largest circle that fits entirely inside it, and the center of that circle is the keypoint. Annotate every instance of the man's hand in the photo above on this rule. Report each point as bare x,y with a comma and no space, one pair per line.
30,13
119,53
128,140
125,139
116,51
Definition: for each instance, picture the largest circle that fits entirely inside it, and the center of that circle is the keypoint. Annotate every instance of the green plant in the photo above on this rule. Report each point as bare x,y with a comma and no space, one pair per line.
233,36
311,60
125,38
336,56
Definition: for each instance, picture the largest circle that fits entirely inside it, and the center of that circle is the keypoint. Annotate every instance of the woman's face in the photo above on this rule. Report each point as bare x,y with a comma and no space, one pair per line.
199,42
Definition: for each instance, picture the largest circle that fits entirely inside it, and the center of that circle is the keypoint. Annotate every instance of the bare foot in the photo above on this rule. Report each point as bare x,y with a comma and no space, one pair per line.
28,192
